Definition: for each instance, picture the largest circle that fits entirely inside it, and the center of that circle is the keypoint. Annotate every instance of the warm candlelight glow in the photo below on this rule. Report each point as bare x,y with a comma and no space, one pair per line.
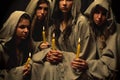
53,41
78,48
43,35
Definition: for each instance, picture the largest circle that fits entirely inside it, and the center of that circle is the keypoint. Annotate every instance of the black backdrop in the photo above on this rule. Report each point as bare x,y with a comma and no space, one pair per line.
8,6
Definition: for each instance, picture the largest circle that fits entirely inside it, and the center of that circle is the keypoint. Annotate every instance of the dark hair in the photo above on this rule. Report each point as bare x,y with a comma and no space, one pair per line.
28,40
96,9
37,25
107,28
47,19
40,2
57,19
25,46
26,16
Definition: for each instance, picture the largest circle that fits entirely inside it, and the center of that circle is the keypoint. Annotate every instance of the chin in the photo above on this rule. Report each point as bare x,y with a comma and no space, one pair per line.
23,38
40,18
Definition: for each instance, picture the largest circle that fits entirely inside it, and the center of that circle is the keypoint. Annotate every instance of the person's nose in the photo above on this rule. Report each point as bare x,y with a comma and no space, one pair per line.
26,30
64,2
100,15
42,11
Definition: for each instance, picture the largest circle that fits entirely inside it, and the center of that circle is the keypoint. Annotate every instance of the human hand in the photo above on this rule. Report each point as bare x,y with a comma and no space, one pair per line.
26,69
44,45
54,56
79,64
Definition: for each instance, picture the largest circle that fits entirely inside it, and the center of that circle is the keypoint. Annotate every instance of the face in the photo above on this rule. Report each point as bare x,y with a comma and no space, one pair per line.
42,11
23,28
65,5
99,16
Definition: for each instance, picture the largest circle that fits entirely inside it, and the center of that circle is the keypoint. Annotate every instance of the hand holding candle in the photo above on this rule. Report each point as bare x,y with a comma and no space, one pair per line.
53,41
43,34
28,60
27,66
78,48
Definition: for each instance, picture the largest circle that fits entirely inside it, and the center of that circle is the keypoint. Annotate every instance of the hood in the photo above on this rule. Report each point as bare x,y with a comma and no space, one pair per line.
52,3
8,29
31,7
110,17
75,11
76,8
103,3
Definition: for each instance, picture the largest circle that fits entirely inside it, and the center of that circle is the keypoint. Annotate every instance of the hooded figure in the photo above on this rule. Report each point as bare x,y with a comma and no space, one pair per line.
100,55
40,12
65,39
61,70
33,4
41,18
15,44
8,29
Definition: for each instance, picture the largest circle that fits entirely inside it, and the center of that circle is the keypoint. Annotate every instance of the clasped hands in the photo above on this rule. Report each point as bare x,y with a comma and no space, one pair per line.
54,56
79,64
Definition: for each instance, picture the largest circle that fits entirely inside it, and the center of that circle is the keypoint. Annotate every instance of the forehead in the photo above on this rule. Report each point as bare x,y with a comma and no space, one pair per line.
68,1
100,8
24,21
43,4
65,0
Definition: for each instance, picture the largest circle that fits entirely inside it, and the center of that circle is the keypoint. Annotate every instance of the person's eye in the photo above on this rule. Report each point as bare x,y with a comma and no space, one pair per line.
69,0
104,13
97,12
46,9
22,26
39,8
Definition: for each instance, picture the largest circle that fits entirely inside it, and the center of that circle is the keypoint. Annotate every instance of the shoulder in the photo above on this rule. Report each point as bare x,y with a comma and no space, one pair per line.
82,18
1,48
82,22
3,54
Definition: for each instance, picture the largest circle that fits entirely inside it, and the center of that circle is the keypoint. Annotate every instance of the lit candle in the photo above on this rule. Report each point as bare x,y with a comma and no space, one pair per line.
53,41
43,35
28,60
78,48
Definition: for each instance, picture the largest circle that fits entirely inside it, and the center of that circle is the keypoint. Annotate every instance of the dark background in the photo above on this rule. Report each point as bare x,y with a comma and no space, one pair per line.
8,6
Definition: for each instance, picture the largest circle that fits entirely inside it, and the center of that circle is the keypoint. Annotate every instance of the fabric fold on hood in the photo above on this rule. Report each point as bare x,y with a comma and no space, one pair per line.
103,3
8,29
31,7
106,5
